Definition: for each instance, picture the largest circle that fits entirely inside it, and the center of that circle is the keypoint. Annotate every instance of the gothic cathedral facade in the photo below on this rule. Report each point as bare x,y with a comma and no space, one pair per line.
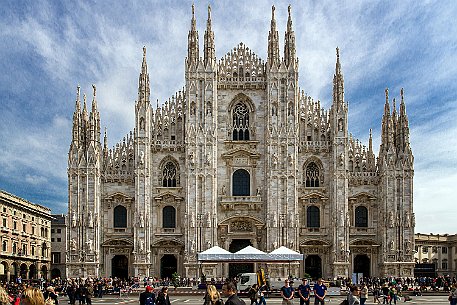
240,156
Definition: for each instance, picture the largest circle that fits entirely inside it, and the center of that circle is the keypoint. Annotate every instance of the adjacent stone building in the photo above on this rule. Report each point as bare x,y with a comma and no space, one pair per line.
436,254
240,156
25,239
58,245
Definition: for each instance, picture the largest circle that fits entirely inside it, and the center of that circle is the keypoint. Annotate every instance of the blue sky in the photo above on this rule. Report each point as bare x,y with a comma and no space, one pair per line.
47,49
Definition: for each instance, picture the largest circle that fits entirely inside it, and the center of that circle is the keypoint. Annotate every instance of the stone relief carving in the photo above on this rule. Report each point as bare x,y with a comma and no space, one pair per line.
90,220
407,220
73,220
72,244
241,226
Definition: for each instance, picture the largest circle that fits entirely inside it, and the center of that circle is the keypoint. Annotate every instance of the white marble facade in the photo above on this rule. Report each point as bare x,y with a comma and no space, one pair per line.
240,155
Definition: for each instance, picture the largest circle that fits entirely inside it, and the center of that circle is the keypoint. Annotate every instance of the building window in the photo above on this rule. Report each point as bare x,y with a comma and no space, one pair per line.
120,217
59,230
313,217
434,249
52,239
24,249
241,183
55,257
4,246
361,217
240,122
33,250
59,239
4,223
169,217
312,175
169,175
24,227
424,249
444,264
444,250
15,225
53,231
14,248
33,230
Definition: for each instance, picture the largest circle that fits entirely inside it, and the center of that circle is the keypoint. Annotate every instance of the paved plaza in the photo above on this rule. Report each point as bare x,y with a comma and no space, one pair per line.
198,299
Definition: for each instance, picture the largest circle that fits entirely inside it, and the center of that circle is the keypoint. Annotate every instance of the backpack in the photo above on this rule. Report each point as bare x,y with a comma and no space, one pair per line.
149,301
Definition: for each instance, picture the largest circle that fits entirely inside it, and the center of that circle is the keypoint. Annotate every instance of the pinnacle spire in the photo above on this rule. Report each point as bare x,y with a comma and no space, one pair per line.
143,80
85,115
338,82
209,52
289,41
94,101
273,41
192,41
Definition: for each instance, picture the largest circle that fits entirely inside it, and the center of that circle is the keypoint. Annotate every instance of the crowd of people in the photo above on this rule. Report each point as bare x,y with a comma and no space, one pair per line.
155,291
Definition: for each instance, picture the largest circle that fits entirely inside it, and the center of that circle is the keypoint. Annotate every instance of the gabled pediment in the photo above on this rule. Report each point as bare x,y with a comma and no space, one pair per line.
240,153
122,242
314,194
168,195
362,195
118,196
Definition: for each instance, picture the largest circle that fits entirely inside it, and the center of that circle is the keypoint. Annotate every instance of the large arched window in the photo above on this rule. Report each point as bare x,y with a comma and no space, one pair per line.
312,175
241,183
120,217
169,175
313,219
169,217
240,122
361,217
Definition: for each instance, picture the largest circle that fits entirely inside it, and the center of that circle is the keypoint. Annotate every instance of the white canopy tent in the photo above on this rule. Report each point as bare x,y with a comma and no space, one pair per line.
249,254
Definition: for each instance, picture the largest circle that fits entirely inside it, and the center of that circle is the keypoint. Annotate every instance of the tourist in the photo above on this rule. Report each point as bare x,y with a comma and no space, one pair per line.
212,296
163,298
229,291
287,293
303,291
453,295
32,296
353,295
320,291
261,295
148,297
363,294
4,297
49,295
253,294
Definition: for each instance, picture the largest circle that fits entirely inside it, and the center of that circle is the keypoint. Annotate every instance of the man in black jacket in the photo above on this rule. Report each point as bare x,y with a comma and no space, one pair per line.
229,291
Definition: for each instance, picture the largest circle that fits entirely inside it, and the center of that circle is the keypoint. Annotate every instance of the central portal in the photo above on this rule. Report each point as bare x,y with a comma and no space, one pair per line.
237,268
120,267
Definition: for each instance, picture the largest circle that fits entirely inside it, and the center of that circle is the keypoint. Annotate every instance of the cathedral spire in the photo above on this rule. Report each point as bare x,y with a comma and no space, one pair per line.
192,41
338,83
273,41
387,128
94,100
77,115
143,81
289,42
85,114
403,124
209,52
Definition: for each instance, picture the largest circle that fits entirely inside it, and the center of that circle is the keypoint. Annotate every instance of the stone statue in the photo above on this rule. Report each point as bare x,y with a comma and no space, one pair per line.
341,159
72,244
291,160
341,219
275,245
208,244
407,220
274,160
191,159
141,246
274,222
90,245
391,245
208,220
192,246
258,191
141,155
391,219
73,220
291,219
141,220
407,246
192,220
90,220
223,190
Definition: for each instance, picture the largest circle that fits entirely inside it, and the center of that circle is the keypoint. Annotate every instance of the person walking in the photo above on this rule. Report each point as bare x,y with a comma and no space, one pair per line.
320,291
50,296
303,292
287,293
453,295
229,291
363,294
148,297
163,298
253,294
261,295
353,295
212,296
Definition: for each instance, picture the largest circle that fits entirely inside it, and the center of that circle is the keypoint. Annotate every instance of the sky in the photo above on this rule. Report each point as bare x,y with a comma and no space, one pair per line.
48,48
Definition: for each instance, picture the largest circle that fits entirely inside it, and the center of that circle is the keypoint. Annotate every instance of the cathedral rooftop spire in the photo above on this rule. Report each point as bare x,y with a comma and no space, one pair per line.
289,42
192,41
338,82
273,41
143,80
209,52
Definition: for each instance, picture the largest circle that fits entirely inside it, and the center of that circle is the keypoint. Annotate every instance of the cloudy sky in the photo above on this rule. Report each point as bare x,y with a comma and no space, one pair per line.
47,49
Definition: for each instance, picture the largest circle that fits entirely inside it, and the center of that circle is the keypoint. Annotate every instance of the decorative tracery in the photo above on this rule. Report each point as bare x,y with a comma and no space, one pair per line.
169,175
312,175
240,122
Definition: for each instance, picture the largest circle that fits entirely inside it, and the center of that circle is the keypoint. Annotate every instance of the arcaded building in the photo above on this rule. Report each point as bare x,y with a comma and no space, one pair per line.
240,156
25,239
